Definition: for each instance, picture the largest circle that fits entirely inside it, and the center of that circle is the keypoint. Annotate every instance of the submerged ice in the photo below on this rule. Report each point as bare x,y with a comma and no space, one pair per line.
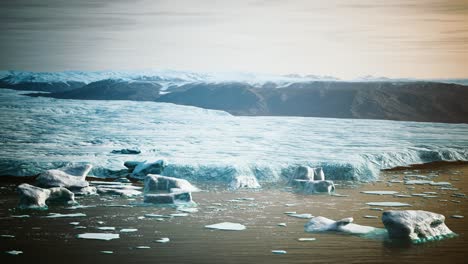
209,145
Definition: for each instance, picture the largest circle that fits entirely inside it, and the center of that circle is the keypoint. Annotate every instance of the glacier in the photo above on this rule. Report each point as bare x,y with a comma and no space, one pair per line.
38,134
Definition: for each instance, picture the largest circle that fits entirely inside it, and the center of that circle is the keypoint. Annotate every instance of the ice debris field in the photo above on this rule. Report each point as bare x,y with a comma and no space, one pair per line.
37,134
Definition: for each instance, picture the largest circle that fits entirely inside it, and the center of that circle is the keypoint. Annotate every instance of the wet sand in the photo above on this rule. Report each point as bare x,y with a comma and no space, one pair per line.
45,240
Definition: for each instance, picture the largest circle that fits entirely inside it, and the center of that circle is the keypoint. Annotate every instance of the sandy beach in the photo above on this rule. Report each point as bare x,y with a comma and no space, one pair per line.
55,240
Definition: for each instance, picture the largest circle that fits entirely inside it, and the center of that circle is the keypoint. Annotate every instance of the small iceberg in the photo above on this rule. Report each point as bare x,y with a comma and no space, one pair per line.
106,228
99,236
380,192
228,226
128,230
107,252
303,239
279,252
14,252
57,215
388,204
303,216
163,240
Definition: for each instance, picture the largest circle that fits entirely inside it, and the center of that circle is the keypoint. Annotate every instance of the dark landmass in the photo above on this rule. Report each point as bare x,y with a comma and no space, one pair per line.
403,101
111,90
32,85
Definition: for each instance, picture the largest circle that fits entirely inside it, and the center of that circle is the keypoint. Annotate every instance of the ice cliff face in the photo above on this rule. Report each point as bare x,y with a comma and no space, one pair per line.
37,134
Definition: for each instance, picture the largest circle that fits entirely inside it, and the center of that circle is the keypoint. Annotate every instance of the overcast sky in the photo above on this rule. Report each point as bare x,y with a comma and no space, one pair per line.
344,38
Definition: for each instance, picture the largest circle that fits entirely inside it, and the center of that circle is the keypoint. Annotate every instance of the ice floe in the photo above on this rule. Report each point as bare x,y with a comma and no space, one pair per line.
228,226
380,192
388,204
98,236
416,225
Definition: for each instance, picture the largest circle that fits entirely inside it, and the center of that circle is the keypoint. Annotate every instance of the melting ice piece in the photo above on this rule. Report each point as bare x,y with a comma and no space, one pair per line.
244,181
106,228
416,225
14,252
99,236
323,224
179,215
20,216
56,215
388,204
162,240
303,216
380,192
142,247
457,216
411,182
128,230
228,226
440,183
302,239
282,224
188,210
371,216
74,223
279,252
107,252
7,236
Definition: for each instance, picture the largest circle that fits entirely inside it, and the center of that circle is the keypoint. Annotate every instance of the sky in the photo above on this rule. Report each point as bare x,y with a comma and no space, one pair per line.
342,38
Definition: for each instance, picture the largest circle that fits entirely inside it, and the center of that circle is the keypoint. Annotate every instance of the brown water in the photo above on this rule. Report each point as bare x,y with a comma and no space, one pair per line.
46,240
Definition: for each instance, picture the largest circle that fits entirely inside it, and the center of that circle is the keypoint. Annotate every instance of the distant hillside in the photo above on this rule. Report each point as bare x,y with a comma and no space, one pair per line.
111,90
408,101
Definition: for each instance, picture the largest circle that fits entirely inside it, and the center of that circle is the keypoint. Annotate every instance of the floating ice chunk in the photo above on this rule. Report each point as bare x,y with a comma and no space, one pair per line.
302,239
158,183
228,226
57,215
416,225
457,216
380,192
20,216
179,215
403,196
244,181
156,216
80,227
419,182
74,223
32,197
127,151
388,204
305,173
188,210
68,177
323,224
440,183
142,247
279,252
121,192
282,224
371,216
14,252
310,187
99,236
80,207
168,198
107,252
106,228
128,230
7,236
376,209
162,240
303,216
